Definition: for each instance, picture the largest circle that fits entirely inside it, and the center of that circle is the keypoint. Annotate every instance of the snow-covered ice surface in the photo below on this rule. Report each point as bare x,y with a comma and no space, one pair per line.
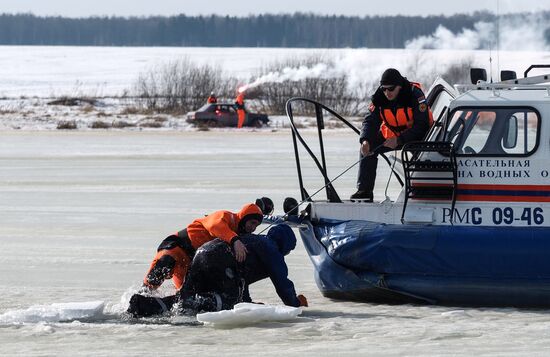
53,71
99,71
81,214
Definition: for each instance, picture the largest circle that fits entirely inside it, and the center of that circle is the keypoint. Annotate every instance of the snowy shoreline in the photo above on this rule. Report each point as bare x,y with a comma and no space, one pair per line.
34,75
110,113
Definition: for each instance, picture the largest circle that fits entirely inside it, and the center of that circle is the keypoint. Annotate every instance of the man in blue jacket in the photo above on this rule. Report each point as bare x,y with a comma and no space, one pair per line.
217,282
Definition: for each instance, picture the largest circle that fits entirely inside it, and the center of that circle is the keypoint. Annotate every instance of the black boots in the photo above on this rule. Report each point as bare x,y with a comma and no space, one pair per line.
363,196
181,304
144,306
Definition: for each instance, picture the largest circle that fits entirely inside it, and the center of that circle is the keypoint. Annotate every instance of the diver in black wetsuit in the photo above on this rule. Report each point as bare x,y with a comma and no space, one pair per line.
216,281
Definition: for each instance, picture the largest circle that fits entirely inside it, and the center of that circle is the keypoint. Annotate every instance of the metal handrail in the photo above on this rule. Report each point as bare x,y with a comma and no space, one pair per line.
332,196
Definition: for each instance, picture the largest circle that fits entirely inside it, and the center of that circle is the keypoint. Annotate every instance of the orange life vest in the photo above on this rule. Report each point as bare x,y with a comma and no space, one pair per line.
393,124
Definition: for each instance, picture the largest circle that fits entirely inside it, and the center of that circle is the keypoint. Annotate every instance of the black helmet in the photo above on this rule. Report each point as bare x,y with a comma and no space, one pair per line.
290,206
265,204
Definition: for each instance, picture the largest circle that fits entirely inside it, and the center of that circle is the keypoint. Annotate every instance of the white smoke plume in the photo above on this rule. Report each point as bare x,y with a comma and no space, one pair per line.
523,33
320,70
426,57
516,34
443,38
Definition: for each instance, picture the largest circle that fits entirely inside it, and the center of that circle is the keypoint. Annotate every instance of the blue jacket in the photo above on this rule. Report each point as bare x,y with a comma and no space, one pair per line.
266,259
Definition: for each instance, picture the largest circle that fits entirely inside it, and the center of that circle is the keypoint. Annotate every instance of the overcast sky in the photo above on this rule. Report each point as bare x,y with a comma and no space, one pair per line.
84,8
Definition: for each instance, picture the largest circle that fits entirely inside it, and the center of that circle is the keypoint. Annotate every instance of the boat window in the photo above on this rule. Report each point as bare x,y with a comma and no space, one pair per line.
438,107
494,131
441,103
526,127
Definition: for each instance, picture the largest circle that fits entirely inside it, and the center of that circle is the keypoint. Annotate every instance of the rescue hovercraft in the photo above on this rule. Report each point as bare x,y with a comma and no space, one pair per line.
471,224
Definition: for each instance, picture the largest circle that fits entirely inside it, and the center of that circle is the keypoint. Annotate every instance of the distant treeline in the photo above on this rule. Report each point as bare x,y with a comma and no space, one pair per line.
297,30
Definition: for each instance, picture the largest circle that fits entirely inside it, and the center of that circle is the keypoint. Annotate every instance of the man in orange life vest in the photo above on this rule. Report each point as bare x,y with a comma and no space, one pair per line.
239,105
175,253
397,115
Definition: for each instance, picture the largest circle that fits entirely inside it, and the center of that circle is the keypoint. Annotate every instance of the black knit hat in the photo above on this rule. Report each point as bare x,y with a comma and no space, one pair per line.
390,77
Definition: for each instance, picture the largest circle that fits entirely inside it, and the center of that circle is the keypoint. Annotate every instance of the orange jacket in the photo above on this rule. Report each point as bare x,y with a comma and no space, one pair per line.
240,99
392,125
220,224
212,99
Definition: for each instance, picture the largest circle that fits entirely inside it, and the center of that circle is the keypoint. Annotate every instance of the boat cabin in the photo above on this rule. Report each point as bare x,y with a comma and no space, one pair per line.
484,161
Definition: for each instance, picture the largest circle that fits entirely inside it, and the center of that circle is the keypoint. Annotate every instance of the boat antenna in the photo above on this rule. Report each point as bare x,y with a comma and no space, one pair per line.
498,37
490,62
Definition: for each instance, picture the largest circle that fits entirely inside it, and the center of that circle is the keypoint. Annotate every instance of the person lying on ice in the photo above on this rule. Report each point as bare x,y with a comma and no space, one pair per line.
175,252
216,281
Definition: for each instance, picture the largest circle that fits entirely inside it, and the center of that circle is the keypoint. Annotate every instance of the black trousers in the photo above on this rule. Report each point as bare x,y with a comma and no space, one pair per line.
366,176
214,271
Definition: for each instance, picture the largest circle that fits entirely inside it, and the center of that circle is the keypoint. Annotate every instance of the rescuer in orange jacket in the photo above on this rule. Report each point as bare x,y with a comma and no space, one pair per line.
239,105
212,98
176,252
397,115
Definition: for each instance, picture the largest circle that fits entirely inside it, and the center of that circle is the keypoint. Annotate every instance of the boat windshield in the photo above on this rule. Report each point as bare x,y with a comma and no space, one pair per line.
494,131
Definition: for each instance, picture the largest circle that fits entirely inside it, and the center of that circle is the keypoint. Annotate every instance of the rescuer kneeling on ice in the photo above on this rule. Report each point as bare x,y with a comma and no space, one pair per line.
175,252
217,281
397,115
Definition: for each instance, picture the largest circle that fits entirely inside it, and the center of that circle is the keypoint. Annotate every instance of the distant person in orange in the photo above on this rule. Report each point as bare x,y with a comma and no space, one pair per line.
212,98
239,105
175,253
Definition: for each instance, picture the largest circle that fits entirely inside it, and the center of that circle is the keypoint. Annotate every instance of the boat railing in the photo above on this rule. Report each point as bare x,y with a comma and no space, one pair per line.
530,83
320,162
426,176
